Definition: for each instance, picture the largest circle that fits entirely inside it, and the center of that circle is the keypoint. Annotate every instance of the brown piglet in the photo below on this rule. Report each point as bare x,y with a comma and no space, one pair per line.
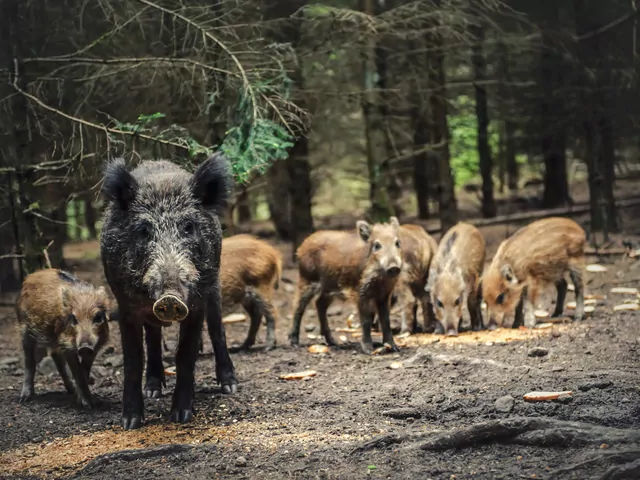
250,271
366,262
418,249
454,278
539,253
67,317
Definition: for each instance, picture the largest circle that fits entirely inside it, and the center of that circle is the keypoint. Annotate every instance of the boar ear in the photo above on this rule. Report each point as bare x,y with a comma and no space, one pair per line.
507,273
65,294
119,185
364,230
431,281
211,183
394,222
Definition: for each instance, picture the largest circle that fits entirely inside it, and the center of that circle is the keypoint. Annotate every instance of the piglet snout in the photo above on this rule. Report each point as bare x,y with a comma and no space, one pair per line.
170,308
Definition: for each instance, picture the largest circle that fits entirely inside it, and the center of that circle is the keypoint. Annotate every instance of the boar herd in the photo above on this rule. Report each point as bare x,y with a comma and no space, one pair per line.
166,262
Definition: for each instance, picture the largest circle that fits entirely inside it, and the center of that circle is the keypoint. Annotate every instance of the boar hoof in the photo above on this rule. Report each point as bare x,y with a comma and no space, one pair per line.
230,387
153,388
131,422
85,402
439,330
367,348
26,395
182,415
269,347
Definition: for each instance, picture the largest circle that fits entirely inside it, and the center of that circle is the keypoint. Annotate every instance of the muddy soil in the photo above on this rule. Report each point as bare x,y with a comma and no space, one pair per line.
313,428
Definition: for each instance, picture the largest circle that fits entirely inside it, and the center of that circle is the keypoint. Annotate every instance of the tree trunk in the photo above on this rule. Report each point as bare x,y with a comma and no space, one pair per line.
508,141
489,208
299,172
510,156
556,186
440,136
420,162
278,199
608,161
90,216
244,206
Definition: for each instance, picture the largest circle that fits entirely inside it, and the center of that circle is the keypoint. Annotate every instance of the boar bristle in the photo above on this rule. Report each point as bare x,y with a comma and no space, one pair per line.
212,183
119,185
67,277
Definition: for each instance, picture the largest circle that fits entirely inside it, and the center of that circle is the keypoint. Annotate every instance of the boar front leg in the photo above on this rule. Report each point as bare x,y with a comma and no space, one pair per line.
366,320
576,278
475,312
182,409
29,348
83,394
155,369
385,324
224,366
561,287
61,365
133,353
322,305
519,315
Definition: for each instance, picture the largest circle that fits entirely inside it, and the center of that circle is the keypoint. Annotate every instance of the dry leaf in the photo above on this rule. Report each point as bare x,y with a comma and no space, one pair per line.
395,365
318,349
234,318
170,371
624,290
596,268
541,313
546,396
299,375
626,307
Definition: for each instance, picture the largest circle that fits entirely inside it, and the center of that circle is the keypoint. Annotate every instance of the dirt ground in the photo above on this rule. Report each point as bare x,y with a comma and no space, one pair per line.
415,401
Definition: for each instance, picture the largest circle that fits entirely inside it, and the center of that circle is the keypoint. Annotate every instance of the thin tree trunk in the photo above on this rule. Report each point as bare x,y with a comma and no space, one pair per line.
448,208
90,216
243,206
510,156
299,172
420,165
607,161
278,199
489,208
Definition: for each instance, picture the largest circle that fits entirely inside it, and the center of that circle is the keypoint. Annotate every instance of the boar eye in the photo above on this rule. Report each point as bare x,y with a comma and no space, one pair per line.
457,301
144,230
99,318
189,228
376,246
72,319
500,299
439,304
397,243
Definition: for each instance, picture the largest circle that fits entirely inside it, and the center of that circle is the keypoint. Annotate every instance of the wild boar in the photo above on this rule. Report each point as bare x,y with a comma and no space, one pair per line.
68,317
418,249
454,278
365,263
541,252
250,271
160,248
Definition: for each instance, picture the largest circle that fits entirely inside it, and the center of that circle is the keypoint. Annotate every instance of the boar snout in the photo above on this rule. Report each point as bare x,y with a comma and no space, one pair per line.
452,332
170,308
393,271
85,351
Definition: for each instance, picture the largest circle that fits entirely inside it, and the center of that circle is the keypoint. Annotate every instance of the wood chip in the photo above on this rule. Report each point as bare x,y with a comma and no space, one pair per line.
403,335
626,307
234,318
396,365
596,268
346,330
544,325
541,313
343,338
384,348
571,287
595,296
624,290
170,371
312,336
318,349
350,320
299,375
546,396
589,308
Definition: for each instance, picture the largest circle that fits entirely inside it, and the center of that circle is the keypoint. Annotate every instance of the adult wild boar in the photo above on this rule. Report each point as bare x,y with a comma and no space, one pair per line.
160,247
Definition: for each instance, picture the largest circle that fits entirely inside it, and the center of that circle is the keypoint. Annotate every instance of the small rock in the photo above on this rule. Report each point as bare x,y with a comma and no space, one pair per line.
241,462
9,361
557,368
588,386
402,413
114,361
108,350
309,327
538,352
504,404
47,366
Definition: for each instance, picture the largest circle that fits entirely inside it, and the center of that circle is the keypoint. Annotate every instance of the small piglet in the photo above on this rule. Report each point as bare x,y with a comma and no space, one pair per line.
68,317
454,278
160,248
541,252
366,262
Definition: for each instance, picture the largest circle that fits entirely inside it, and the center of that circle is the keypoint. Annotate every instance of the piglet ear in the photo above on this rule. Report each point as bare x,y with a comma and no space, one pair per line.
119,185
364,230
508,275
394,222
65,294
212,182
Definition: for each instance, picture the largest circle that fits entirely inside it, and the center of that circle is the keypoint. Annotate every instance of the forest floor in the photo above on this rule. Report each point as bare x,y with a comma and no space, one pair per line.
385,416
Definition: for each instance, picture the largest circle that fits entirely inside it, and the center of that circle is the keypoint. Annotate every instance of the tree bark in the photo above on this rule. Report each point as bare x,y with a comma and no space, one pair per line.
90,216
608,161
278,199
489,208
299,173
420,162
243,206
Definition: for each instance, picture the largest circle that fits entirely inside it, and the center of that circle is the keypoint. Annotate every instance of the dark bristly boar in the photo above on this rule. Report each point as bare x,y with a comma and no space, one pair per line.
454,278
250,271
68,317
366,262
539,253
160,247
418,249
